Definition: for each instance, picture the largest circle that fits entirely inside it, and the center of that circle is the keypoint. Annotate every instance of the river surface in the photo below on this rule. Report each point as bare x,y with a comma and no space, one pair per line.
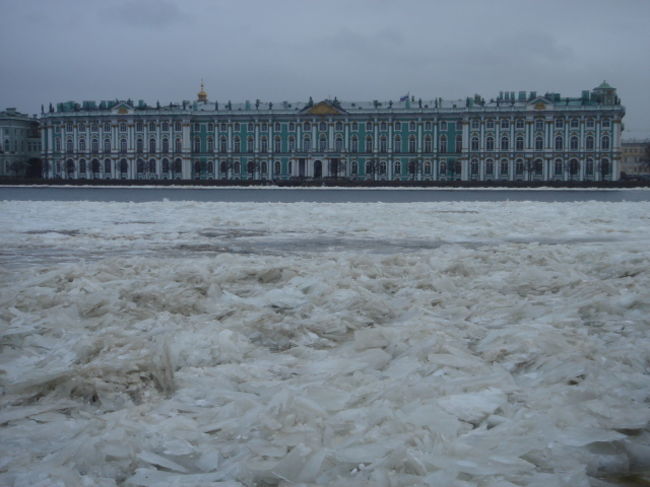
316,195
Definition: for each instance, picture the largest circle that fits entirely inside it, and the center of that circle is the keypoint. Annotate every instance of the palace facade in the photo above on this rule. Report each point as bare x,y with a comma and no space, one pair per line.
514,137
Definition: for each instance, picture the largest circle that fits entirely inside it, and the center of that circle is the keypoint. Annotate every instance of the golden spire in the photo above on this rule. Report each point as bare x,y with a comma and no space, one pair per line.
203,96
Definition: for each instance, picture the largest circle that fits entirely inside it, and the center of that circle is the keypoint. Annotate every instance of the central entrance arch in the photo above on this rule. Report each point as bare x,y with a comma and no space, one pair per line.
318,170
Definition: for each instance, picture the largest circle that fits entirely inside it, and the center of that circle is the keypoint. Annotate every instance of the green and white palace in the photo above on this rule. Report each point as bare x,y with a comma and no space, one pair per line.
514,137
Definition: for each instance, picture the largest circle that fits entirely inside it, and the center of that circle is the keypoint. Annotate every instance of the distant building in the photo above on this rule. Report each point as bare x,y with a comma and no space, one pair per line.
514,137
635,158
20,144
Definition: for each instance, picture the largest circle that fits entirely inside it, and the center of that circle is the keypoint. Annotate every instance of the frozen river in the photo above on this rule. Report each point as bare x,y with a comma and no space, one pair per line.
209,343
258,194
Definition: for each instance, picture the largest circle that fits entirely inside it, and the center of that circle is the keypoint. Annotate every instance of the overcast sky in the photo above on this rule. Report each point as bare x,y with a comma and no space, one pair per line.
275,50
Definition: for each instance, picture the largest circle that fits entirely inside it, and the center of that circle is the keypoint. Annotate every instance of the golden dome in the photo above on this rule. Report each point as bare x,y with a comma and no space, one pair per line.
203,96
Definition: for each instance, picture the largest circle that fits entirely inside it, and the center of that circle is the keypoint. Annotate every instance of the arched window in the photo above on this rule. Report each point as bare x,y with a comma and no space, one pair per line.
539,143
165,166
178,166
237,145
124,166
123,146
489,143
559,143
223,145
504,170
210,144
277,168
251,168
604,142
354,168
590,167
475,143
558,167
197,144
382,167
69,148
383,145
519,167
519,143
574,167
322,143
339,143
165,145
538,166
152,145
292,143
237,169
139,145
82,165
152,166
428,147
604,168
94,146
412,144
427,167
264,144
398,169
474,167
82,145
398,144
140,166
443,169
443,144
573,143
505,143
277,144
489,167
306,143
369,144
263,168
197,169
70,167
107,166
459,143
94,166
370,167
250,144
590,142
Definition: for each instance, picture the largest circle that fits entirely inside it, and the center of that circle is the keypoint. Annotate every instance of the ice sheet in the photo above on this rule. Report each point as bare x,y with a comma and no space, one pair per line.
183,343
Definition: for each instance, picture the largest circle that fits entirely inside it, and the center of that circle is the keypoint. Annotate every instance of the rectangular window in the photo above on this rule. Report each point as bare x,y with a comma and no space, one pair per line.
519,123
210,127
292,127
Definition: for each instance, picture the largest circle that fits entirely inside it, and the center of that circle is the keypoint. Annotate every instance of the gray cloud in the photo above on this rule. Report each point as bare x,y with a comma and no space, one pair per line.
291,49
146,13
